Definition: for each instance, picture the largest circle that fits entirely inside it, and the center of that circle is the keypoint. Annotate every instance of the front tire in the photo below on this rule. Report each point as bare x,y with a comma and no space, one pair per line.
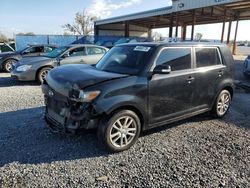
119,131
42,74
222,104
8,64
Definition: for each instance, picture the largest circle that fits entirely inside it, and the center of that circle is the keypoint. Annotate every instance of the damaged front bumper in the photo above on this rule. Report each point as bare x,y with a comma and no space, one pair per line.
65,115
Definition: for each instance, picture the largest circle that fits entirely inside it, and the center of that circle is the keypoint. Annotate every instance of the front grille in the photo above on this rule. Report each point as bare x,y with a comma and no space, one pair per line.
55,105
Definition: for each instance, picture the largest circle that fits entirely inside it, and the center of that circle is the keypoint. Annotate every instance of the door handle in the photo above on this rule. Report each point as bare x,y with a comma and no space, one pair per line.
190,79
220,73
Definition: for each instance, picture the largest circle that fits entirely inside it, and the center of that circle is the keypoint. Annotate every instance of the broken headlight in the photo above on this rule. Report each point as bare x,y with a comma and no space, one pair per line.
86,96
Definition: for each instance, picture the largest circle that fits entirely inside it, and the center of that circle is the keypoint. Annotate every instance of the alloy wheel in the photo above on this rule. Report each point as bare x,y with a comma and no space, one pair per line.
43,75
123,131
8,65
223,104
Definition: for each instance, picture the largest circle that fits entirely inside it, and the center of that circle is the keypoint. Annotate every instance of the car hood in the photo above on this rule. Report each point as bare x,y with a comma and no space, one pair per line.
75,77
33,60
6,54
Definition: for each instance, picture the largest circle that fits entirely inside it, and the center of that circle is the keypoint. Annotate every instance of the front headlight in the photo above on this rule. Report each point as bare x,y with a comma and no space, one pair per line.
86,96
23,68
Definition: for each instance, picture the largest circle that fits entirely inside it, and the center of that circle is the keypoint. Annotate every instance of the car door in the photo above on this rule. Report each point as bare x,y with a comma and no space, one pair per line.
172,95
73,56
209,73
94,54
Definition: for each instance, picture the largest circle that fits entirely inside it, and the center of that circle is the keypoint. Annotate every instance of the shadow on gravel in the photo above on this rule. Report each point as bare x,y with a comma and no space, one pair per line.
10,82
24,138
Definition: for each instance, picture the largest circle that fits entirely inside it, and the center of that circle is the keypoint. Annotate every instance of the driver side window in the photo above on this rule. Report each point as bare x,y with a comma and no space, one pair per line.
177,58
34,49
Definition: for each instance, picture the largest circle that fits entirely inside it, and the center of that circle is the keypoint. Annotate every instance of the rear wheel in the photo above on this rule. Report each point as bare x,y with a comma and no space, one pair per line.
120,131
8,65
42,74
222,104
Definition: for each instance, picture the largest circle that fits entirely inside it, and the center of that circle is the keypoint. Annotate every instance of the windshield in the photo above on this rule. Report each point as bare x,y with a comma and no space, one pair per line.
22,50
57,52
125,59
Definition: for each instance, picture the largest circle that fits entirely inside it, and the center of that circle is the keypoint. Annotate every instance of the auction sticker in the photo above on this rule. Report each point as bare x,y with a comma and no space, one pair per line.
142,48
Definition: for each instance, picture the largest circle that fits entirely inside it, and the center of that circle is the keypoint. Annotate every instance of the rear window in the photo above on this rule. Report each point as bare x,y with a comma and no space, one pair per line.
207,57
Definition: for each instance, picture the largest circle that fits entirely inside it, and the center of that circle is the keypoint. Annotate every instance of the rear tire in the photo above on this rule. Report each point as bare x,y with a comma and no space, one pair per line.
8,64
42,74
119,131
222,104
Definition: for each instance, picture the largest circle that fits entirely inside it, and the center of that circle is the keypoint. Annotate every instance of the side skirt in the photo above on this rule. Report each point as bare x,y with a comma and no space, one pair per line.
179,118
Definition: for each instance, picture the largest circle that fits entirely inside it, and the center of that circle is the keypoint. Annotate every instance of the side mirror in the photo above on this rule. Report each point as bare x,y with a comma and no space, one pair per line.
24,53
65,55
162,69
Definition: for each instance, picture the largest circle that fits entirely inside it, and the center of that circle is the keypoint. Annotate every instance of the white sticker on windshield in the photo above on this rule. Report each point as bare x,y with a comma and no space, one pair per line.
142,48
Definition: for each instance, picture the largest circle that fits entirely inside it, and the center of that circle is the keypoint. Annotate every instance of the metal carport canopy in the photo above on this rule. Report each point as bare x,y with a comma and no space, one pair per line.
206,11
183,13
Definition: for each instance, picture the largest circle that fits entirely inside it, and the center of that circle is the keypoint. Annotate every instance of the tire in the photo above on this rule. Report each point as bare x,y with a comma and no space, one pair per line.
42,74
8,64
222,104
118,138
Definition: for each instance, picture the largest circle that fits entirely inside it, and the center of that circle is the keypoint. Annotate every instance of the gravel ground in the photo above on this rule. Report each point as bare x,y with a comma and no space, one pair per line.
198,152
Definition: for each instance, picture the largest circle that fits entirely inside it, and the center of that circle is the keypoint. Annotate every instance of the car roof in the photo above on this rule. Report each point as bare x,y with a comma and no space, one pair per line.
174,44
38,45
84,45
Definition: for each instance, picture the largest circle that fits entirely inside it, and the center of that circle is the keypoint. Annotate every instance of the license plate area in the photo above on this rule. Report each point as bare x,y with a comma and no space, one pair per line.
58,118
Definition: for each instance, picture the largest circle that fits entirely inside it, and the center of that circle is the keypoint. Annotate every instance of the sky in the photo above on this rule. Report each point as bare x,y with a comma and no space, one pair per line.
48,16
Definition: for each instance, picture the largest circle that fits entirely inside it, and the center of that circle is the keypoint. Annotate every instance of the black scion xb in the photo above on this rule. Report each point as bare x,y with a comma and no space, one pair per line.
135,87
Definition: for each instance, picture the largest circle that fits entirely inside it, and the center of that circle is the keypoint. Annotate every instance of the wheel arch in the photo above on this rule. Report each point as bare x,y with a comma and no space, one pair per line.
227,87
134,109
38,70
11,58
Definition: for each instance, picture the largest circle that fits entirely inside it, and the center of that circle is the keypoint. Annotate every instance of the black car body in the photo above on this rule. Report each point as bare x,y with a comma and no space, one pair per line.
7,59
246,67
148,84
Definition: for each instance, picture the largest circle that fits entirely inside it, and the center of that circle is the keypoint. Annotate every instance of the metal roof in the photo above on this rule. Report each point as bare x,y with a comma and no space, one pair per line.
207,11
149,13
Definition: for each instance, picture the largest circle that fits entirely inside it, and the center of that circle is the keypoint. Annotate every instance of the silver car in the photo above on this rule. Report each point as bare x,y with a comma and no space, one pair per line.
37,68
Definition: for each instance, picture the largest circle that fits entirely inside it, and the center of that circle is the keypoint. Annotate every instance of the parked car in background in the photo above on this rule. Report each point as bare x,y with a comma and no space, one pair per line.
37,68
107,44
7,47
246,67
138,86
7,59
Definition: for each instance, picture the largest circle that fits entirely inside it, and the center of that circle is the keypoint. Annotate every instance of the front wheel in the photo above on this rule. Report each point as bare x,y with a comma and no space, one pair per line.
120,131
222,104
42,74
8,65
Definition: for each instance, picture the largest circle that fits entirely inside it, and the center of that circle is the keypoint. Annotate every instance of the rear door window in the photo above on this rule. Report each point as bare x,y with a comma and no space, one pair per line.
95,51
206,57
48,49
177,58
77,52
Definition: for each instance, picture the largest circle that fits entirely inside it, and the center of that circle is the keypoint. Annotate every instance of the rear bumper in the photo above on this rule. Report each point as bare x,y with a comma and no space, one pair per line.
63,115
29,75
